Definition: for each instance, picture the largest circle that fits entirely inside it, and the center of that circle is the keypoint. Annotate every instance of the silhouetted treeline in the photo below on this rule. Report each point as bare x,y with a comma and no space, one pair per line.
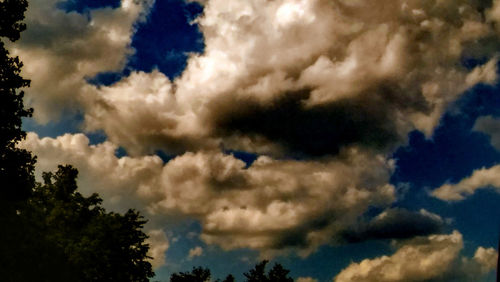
49,231
257,274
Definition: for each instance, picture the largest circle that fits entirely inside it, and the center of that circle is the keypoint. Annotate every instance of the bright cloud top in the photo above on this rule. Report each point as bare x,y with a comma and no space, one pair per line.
277,74
61,50
481,178
358,72
434,258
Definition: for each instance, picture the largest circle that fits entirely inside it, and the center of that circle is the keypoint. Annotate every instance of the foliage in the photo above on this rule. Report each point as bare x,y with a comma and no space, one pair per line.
16,165
198,274
97,245
277,274
258,274
229,278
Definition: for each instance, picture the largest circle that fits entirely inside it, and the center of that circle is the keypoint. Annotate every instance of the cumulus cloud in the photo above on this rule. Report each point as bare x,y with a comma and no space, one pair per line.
272,206
61,50
397,223
324,89
432,258
491,127
306,279
480,178
305,78
158,245
195,252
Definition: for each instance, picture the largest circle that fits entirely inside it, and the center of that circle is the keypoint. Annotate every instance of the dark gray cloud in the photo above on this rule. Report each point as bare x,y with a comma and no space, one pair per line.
396,224
366,120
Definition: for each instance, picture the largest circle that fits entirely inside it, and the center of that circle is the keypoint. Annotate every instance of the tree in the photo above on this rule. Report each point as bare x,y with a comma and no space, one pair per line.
229,278
258,274
16,165
198,274
96,245
277,274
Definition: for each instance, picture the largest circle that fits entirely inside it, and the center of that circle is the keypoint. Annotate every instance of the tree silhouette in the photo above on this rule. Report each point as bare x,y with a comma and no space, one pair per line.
97,246
198,274
229,278
16,165
258,274
277,274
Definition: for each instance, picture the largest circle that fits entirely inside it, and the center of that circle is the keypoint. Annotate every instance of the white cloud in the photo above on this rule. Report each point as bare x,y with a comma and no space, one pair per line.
306,279
195,252
382,68
480,178
60,50
158,245
395,66
337,84
433,258
273,205
489,126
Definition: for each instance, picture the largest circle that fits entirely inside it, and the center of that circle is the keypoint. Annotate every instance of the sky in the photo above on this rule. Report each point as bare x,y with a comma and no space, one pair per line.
349,140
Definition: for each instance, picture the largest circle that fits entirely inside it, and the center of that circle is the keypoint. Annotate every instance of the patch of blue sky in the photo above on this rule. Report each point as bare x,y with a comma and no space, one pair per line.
164,41
108,78
454,150
165,157
246,157
167,37
452,153
68,123
328,261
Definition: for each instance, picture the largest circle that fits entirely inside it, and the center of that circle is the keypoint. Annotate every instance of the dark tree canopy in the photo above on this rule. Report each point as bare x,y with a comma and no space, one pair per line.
229,278
16,165
11,15
277,274
258,274
198,274
98,246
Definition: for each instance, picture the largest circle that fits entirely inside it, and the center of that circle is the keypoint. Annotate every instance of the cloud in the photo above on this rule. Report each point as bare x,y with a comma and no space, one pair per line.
158,245
325,90
195,252
333,74
61,50
491,127
272,206
306,279
432,258
397,223
480,178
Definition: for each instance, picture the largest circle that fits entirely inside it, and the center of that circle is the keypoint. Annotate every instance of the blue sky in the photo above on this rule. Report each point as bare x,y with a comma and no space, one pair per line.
405,138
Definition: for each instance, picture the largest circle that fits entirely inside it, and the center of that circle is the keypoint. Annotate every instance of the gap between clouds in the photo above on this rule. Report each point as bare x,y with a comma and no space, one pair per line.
480,178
